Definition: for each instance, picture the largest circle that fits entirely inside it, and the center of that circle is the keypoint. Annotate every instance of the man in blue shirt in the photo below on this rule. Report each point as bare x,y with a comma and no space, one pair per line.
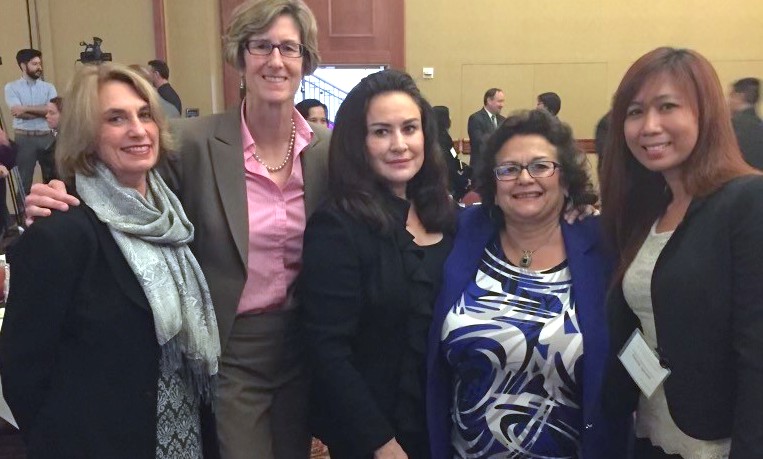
27,99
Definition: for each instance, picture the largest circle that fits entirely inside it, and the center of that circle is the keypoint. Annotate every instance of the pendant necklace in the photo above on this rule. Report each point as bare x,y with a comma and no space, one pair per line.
527,255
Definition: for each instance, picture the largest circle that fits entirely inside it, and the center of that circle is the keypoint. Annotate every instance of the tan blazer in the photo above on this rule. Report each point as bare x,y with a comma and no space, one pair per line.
207,174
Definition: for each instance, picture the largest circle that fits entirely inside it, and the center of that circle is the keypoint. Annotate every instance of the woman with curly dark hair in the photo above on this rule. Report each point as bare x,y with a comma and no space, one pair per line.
518,340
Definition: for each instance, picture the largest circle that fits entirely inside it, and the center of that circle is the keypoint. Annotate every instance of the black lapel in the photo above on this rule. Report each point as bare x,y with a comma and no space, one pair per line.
120,269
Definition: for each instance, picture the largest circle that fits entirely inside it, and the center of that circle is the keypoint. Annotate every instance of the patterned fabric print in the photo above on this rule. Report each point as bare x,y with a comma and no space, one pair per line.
514,344
178,428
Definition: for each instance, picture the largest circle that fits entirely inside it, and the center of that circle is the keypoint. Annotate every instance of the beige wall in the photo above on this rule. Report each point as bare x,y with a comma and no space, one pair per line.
579,49
57,28
194,53
126,28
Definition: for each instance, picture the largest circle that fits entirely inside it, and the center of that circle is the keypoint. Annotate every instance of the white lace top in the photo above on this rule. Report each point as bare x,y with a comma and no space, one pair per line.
653,420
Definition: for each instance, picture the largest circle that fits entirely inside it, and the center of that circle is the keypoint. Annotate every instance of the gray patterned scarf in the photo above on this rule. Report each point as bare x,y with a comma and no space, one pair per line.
153,234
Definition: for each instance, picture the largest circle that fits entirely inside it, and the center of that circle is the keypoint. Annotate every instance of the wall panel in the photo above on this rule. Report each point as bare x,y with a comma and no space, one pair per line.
581,48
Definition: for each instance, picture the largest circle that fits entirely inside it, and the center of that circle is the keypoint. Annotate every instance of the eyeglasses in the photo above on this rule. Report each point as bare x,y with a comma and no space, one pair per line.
265,48
537,169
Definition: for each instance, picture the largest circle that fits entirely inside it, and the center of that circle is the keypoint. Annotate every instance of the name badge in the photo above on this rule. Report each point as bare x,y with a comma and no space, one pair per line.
642,364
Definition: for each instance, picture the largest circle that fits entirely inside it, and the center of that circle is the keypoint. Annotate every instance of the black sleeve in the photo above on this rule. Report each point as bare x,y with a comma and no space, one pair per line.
45,272
747,313
8,156
331,296
476,133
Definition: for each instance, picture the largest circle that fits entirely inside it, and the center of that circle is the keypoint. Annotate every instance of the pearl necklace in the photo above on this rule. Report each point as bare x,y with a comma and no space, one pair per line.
288,152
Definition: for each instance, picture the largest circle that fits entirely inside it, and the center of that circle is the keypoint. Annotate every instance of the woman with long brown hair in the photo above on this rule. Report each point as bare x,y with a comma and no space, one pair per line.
685,213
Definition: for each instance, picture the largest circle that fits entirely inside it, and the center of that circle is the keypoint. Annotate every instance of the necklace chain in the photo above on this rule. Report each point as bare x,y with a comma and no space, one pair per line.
527,255
286,158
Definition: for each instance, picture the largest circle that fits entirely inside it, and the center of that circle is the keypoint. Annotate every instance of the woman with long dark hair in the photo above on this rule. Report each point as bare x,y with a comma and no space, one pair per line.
372,265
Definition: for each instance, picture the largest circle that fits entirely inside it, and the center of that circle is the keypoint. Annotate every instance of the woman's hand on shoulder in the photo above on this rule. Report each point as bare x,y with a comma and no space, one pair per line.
572,213
45,197
390,450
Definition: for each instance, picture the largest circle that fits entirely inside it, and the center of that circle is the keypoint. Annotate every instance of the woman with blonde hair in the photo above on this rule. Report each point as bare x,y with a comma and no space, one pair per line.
110,341
249,178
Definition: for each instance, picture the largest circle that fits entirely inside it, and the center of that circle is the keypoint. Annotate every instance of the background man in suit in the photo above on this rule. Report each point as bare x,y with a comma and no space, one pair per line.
483,122
747,124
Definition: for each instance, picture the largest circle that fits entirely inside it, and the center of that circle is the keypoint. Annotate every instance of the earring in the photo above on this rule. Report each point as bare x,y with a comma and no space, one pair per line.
241,83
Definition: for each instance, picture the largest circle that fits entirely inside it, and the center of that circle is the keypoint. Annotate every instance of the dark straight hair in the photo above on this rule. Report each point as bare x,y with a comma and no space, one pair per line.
354,185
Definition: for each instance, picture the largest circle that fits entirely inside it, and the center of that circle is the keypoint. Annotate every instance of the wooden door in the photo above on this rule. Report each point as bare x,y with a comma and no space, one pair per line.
360,32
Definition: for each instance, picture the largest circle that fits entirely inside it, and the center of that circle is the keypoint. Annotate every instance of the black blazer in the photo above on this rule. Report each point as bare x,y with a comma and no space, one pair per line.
749,131
707,291
79,357
480,127
355,295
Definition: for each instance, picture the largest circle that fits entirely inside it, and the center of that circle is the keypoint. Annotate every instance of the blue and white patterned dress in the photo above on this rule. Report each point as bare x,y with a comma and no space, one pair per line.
515,347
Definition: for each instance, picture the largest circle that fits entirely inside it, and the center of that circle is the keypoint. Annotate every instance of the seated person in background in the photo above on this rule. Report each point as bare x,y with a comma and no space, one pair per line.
600,139
518,341
110,342
550,101
458,172
7,162
53,114
748,126
313,110
48,160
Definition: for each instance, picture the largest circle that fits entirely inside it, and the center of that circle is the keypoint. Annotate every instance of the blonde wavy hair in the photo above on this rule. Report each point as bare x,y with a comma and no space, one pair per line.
80,127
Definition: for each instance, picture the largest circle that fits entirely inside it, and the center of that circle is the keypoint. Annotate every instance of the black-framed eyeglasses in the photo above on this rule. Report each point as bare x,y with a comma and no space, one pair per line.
265,48
536,169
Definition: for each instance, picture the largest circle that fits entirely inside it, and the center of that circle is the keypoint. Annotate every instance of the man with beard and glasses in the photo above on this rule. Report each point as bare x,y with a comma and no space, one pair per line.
27,99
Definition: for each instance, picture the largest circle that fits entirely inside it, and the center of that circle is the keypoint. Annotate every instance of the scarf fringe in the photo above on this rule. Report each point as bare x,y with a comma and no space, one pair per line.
196,373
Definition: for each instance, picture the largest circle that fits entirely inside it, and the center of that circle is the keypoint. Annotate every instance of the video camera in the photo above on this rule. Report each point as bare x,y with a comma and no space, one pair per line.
92,53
